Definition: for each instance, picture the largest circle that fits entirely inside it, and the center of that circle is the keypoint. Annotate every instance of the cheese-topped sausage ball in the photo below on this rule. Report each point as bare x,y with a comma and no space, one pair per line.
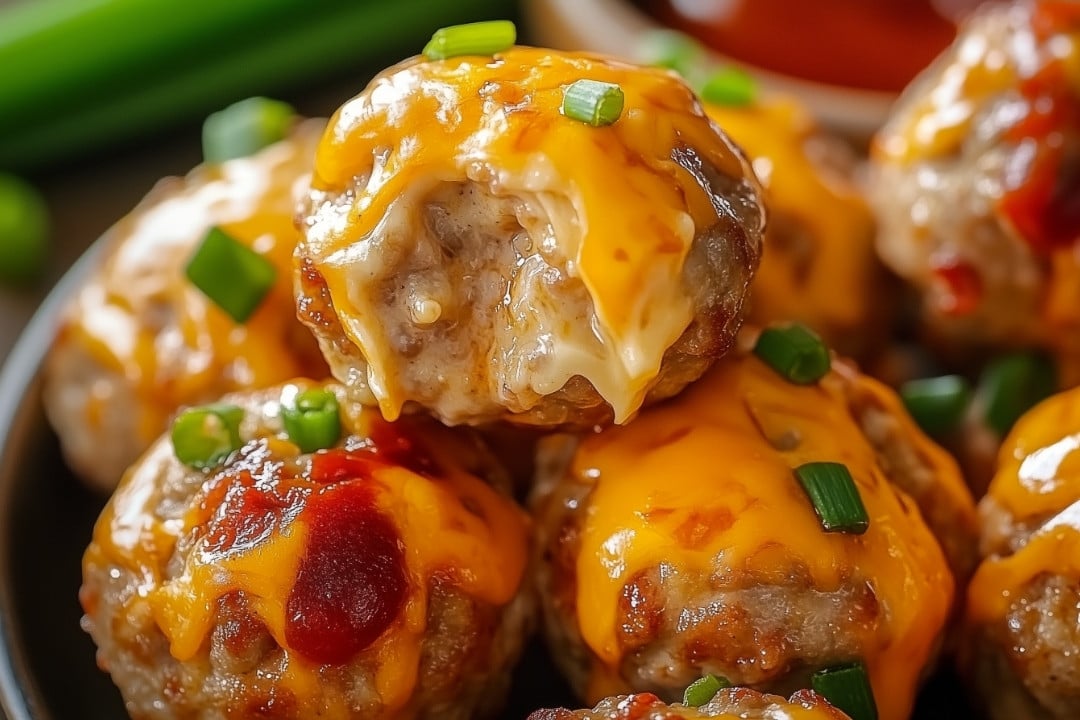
975,180
729,704
1023,605
472,250
140,340
684,543
380,577
819,265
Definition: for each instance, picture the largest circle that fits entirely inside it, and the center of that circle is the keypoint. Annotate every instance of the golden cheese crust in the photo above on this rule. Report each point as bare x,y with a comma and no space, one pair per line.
379,578
1022,604
139,340
683,544
471,251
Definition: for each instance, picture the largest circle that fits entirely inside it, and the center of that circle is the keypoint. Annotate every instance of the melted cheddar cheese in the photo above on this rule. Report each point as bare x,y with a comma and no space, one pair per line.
454,528
726,449
141,318
819,266
1037,482
497,121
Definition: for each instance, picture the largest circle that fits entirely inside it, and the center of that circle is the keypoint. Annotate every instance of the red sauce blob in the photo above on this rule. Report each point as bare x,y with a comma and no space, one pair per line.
634,707
1043,202
869,44
351,583
958,284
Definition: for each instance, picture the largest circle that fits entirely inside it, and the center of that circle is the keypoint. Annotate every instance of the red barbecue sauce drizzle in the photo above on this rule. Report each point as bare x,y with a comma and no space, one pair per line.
959,284
1045,207
634,707
351,582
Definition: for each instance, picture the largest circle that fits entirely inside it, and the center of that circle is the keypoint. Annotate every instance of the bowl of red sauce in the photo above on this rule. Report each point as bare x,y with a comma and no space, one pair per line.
845,59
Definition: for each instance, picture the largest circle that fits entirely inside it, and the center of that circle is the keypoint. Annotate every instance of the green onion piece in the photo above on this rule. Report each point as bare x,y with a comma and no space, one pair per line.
937,404
729,86
232,275
204,436
1012,385
703,689
480,38
312,420
593,102
671,49
24,230
795,351
848,688
835,497
244,128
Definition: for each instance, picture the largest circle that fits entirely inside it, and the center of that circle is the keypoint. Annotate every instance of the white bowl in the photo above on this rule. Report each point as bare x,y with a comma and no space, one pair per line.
615,27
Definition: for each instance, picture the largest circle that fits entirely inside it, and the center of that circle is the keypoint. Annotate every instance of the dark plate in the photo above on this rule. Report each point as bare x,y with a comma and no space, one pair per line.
47,668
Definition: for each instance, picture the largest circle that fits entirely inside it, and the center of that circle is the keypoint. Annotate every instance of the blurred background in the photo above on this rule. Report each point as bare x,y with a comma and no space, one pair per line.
99,99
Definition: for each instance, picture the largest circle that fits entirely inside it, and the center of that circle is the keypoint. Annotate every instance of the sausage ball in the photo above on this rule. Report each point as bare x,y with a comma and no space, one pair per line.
684,543
819,265
140,340
471,250
975,179
729,704
378,577
1023,605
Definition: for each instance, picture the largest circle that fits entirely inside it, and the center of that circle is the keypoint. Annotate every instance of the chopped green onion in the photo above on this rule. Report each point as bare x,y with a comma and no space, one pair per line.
848,688
835,497
729,86
704,689
937,404
312,420
795,351
480,38
232,275
244,128
204,436
1012,385
593,102
24,230
673,50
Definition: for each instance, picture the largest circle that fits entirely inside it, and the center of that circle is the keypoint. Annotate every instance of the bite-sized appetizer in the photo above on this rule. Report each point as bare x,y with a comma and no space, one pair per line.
141,338
1023,605
819,265
728,704
288,554
975,180
549,238
776,520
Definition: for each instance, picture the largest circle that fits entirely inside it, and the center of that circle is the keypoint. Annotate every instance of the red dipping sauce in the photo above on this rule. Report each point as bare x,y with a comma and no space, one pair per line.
866,44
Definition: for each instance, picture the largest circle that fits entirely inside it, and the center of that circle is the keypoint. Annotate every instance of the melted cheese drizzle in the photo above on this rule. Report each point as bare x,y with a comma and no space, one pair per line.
484,557
118,317
834,272
1038,477
712,451
498,121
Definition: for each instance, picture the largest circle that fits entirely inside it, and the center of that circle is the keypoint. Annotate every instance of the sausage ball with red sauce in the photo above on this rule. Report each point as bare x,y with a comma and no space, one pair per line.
686,543
140,340
729,704
1023,605
378,576
975,181
474,251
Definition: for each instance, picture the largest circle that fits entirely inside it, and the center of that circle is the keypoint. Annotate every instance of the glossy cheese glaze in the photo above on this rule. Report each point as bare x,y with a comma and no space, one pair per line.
1037,482
336,552
497,121
1037,66
726,449
819,266
141,318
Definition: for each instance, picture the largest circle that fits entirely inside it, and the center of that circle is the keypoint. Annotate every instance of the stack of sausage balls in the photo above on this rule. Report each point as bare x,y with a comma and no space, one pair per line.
319,360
